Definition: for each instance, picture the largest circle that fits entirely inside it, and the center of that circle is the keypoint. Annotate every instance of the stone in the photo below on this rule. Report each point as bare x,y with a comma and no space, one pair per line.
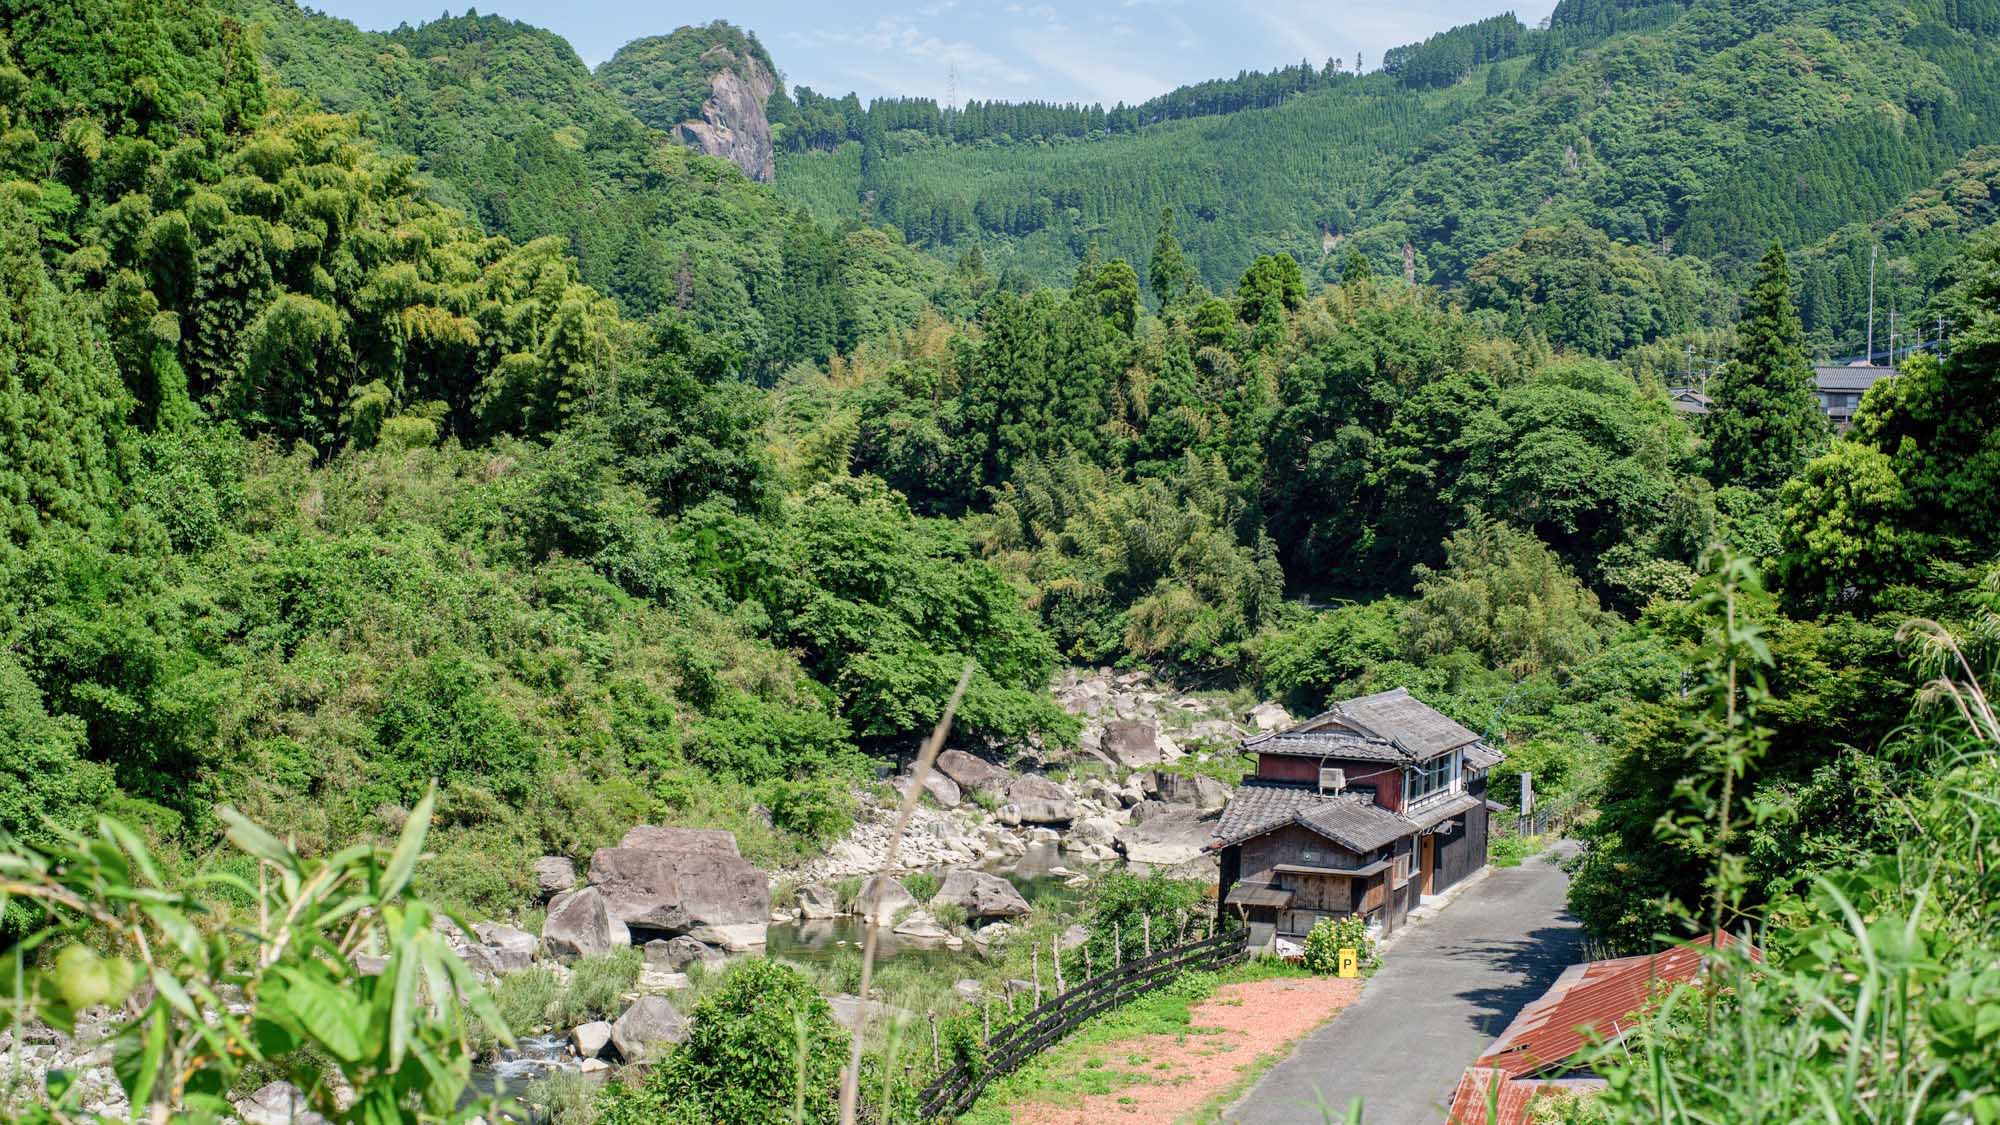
554,874
1268,715
579,924
1134,745
369,965
882,898
711,841
1147,810
995,934
817,900
968,990
970,773
854,1013
277,1103
982,895
1168,839
654,979
589,1040
1037,810
1019,987
919,924
1205,793
649,1022
680,892
1093,830
678,953
506,937
943,790
1170,750
592,1066
732,121
1074,937
494,961
1033,787
736,937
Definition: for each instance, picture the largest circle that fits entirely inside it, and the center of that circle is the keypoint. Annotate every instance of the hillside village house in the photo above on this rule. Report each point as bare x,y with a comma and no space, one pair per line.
1363,809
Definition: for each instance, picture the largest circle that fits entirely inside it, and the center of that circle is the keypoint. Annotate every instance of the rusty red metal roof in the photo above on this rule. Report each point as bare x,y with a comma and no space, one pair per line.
1593,1002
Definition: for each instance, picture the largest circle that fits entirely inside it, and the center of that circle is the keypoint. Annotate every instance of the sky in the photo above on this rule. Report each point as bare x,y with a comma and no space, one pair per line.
1011,50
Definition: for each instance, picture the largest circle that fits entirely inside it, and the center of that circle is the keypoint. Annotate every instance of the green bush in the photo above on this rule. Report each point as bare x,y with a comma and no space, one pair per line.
1331,935
922,885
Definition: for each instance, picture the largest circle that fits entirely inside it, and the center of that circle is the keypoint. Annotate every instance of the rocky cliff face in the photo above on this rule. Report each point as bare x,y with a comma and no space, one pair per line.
732,123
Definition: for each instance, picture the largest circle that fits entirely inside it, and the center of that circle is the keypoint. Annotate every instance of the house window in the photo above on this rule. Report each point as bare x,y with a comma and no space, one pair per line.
1428,779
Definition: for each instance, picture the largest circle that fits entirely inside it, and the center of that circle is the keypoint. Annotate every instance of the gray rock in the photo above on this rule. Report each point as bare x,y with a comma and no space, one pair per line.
494,961
919,925
277,1103
855,1014
1134,745
678,953
648,1023
590,1039
1035,787
1167,839
970,773
943,790
554,874
982,895
1019,987
369,965
679,892
1037,810
1074,937
995,934
732,123
817,900
1268,715
1093,830
505,937
1205,793
1147,810
882,898
685,841
968,990
579,924
736,937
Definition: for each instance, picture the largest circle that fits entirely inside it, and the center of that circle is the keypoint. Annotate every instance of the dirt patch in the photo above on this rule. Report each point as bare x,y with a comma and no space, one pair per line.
1170,1075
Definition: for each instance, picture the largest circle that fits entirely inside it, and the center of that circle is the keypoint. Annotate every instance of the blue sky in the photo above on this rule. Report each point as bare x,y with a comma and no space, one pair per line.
1083,50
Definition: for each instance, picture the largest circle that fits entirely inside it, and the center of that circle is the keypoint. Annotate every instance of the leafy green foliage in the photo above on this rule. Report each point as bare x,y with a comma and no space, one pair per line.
1765,423
1505,596
664,79
1331,935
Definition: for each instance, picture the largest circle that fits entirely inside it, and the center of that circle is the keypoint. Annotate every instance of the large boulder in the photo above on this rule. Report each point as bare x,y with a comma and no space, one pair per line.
942,789
1269,715
1205,793
882,898
678,953
650,1022
1168,839
1035,787
817,900
854,1013
505,938
579,924
493,961
982,895
919,926
971,774
590,1039
554,874
1037,810
277,1103
1133,745
681,881
736,937
1093,830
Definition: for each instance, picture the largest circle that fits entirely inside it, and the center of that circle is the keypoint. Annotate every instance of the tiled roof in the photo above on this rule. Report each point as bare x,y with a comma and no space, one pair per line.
1480,756
1356,824
1327,744
1442,811
1259,806
1858,377
1419,732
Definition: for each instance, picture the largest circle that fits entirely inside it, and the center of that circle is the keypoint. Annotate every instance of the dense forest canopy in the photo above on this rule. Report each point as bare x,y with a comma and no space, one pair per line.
400,421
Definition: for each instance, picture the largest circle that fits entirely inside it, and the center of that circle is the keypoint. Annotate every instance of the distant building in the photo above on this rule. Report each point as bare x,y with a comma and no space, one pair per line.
1362,809
1839,389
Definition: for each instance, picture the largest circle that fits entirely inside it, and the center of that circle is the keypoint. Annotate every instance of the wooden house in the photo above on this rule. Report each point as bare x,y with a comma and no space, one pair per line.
1363,809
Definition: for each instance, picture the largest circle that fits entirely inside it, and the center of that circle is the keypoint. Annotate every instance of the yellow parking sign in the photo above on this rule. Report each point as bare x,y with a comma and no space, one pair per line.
1350,962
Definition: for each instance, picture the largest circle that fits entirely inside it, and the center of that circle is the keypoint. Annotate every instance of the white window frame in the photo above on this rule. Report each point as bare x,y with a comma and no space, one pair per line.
1453,780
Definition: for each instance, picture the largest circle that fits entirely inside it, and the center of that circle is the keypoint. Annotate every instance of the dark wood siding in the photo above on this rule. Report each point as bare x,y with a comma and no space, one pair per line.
1385,780
1463,851
1290,844
1231,871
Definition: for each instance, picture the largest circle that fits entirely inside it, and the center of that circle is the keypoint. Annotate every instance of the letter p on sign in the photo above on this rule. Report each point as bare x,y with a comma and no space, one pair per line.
1350,962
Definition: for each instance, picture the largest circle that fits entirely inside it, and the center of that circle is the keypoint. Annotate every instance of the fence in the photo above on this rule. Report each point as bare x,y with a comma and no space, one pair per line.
957,1088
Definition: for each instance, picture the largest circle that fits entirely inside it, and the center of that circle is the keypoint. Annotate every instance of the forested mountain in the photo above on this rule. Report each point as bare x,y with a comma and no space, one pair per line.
1701,131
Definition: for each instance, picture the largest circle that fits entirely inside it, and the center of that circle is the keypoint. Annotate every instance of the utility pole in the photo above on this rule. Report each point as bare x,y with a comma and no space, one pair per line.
1870,357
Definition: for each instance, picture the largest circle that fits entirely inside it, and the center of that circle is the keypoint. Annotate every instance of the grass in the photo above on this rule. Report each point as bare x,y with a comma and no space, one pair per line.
1075,1067
922,885
1510,851
597,987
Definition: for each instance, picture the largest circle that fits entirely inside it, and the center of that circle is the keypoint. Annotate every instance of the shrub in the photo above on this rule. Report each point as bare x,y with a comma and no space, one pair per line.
762,1046
950,915
598,984
1509,851
922,885
1331,935
848,892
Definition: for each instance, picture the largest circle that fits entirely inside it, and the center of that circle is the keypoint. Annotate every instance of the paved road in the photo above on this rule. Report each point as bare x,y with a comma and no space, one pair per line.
1446,990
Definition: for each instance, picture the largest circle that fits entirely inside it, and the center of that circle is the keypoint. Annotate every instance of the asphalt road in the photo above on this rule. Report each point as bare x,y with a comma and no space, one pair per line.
1445,991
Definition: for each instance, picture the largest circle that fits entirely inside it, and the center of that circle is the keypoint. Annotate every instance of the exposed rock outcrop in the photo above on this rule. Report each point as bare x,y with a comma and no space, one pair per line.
684,881
579,924
982,895
648,1023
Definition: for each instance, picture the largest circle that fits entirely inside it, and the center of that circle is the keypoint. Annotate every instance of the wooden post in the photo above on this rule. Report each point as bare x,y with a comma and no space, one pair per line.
1117,945
1146,924
936,1063
1211,926
1055,954
986,1019
1035,963
1087,972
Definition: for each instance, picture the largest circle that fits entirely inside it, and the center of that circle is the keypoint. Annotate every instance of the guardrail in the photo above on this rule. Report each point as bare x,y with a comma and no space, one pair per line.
956,1089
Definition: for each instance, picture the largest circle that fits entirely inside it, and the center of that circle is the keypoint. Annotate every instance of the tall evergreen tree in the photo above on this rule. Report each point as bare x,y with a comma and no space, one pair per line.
1766,421
1169,273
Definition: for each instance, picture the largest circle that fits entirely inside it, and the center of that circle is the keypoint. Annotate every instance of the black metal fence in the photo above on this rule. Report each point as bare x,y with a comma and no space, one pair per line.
956,1089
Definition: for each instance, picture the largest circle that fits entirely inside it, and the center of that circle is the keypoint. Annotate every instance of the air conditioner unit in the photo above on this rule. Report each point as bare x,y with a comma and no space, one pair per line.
1332,780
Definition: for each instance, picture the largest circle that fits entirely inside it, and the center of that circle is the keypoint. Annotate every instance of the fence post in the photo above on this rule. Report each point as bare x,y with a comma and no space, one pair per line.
1211,926
1087,971
936,1063
1146,924
1055,954
1117,945
1035,961
986,1007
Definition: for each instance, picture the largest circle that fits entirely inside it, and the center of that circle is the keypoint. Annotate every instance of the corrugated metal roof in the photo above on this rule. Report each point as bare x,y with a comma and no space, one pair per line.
1594,1001
1514,1102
